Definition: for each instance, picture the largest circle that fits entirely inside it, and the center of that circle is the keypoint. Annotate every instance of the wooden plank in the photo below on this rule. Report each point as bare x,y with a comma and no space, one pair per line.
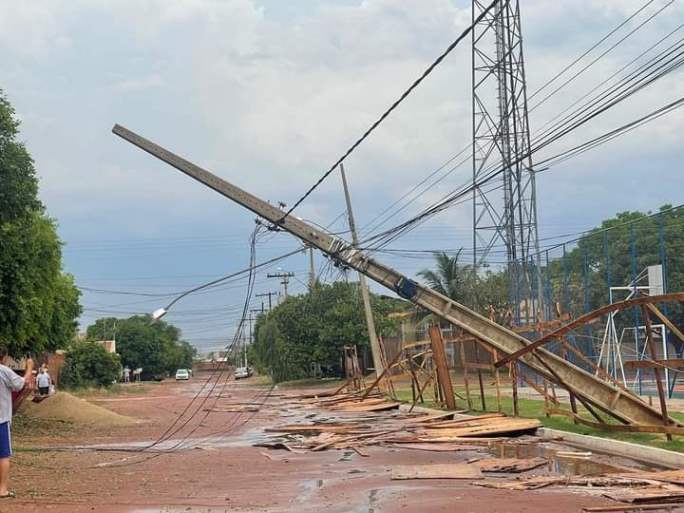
436,471
650,344
625,428
513,465
440,447
382,375
479,375
644,496
465,375
667,322
384,406
648,364
627,507
439,357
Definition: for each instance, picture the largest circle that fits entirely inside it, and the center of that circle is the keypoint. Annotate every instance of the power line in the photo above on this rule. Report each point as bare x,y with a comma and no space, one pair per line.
392,107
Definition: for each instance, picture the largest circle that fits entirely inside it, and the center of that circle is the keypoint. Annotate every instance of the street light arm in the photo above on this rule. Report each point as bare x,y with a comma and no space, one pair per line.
161,312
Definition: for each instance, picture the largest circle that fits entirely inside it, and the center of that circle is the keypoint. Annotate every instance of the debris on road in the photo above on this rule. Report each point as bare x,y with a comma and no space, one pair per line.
436,471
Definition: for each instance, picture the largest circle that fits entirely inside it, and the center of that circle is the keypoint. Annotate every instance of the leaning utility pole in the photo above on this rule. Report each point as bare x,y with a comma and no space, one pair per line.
376,350
285,280
589,389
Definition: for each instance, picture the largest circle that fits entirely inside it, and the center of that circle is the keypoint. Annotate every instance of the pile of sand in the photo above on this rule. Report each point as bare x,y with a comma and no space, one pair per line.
65,407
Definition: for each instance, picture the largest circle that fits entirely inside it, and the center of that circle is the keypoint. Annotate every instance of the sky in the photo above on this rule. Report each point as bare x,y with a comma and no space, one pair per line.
268,94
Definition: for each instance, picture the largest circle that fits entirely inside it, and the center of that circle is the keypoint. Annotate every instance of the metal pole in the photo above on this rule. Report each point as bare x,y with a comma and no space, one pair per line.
633,258
378,362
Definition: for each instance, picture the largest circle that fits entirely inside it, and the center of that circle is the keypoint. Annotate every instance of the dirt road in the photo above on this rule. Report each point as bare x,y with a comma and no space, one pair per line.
217,468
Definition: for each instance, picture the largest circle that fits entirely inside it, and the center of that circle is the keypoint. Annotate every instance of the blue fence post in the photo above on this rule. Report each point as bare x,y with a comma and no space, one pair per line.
586,306
633,258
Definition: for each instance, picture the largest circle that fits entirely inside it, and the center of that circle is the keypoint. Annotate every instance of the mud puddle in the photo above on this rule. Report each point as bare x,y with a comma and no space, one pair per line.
566,460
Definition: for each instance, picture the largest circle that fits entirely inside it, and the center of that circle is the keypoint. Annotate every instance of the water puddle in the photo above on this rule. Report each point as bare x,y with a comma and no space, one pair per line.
565,460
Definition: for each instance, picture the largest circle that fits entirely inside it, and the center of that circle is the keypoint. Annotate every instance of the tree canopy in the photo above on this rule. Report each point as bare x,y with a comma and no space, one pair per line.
39,303
156,347
89,364
312,328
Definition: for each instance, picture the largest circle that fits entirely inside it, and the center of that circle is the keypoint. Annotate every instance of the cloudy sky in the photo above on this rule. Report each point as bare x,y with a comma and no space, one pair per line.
267,94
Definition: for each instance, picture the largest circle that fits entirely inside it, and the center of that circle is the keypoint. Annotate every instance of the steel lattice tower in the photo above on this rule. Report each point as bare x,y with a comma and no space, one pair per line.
504,209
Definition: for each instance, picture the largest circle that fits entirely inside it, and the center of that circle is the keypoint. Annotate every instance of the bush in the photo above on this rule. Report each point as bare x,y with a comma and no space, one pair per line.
89,364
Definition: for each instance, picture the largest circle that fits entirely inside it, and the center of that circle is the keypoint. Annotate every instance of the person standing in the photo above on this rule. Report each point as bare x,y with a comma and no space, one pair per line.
43,382
9,382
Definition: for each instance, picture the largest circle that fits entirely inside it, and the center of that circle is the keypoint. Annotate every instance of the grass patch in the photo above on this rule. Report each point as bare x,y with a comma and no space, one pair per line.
141,388
534,409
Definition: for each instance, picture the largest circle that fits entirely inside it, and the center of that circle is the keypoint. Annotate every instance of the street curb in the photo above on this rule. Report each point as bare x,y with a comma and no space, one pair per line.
642,453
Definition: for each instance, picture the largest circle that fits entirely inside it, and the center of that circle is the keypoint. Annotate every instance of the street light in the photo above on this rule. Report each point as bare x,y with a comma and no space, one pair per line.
159,313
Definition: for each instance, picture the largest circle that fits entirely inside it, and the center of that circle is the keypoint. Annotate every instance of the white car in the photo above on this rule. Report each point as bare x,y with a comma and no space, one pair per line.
243,372
182,374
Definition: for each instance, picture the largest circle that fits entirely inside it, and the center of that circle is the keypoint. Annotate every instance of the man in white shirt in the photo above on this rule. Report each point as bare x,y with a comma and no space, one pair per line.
9,382
43,379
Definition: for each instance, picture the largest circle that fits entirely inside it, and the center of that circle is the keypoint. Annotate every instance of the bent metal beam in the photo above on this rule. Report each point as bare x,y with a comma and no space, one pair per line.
605,396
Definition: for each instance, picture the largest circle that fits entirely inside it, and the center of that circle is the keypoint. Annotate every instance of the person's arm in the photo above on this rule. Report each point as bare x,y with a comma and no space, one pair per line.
29,380
13,380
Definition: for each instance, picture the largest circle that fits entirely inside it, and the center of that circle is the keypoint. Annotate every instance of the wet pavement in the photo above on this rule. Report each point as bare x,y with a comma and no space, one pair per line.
218,468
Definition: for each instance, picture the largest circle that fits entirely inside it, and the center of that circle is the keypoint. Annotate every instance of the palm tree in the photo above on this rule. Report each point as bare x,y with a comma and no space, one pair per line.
450,278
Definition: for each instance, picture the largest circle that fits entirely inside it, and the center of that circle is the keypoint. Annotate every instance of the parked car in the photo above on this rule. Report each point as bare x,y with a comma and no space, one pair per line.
182,374
243,372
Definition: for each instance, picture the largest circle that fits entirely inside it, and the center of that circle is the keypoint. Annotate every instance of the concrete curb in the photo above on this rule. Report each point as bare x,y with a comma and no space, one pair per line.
643,453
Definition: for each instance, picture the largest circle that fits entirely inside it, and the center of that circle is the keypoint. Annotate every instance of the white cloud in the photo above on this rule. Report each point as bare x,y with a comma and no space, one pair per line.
270,102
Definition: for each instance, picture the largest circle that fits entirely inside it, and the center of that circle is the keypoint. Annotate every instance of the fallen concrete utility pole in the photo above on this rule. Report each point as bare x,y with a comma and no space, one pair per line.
605,396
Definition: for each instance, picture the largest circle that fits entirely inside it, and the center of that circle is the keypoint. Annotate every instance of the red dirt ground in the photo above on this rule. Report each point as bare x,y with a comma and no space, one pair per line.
229,475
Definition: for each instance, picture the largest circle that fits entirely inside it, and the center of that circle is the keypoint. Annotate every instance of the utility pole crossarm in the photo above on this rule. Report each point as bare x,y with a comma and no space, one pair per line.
599,393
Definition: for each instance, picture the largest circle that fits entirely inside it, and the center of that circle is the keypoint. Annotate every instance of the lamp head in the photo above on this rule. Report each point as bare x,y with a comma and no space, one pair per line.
158,314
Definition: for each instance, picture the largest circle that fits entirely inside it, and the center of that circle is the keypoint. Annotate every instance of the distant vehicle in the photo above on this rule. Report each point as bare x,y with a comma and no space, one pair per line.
182,374
243,372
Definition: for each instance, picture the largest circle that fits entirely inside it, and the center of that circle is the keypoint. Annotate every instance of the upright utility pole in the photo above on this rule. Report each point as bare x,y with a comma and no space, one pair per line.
312,269
376,350
285,280
269,294
501,140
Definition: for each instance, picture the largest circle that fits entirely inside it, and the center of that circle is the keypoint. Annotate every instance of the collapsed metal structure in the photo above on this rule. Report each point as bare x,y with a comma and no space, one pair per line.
591,390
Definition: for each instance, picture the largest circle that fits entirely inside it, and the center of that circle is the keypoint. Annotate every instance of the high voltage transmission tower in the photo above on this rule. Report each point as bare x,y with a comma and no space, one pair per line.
504,212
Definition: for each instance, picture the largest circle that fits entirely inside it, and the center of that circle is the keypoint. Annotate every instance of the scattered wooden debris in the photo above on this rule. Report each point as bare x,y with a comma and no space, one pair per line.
278,445
439,447
437,471
628,507
647,495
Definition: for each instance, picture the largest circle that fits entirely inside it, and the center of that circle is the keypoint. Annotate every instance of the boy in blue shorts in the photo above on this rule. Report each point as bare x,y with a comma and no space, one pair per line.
9,382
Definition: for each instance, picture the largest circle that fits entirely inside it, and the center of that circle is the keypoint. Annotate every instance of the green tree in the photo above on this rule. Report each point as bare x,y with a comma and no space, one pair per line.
458,282
155,347
312,328
39,304
19,184
450,278
89,364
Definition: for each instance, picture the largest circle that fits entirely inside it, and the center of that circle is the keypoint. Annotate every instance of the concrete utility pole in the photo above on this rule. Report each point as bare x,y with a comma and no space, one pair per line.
591,389
312,269
376,350
285,280
269,294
